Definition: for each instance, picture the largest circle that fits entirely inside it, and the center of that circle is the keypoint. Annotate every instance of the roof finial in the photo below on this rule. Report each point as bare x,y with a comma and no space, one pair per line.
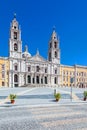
54,34
14,15
26,48
37,51
54,28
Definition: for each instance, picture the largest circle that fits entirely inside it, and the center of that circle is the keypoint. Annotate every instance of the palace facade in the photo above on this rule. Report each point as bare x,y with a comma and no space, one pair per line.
23,69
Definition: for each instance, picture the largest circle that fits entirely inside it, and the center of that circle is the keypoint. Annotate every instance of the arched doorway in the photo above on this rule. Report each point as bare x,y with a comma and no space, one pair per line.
15,80
45,80
29,79
37,79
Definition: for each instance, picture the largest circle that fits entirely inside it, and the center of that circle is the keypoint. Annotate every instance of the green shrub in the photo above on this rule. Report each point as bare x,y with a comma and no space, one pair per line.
57,96
12,96
85,94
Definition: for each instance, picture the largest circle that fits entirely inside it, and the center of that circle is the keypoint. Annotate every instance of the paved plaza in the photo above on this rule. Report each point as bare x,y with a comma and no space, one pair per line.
40,96
66,117
36,109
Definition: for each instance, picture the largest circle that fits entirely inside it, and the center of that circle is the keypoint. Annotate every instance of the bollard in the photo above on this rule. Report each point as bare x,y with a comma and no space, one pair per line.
54,91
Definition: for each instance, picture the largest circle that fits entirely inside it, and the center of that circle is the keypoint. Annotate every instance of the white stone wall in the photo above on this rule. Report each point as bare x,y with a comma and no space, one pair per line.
15,57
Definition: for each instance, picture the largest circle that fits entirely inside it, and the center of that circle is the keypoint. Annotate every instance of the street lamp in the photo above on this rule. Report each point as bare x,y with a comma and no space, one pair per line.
71,81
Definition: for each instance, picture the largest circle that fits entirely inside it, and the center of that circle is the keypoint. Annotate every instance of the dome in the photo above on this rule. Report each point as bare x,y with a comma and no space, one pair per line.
26,53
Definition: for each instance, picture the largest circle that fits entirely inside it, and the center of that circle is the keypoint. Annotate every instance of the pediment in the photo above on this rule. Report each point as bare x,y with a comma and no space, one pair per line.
38,58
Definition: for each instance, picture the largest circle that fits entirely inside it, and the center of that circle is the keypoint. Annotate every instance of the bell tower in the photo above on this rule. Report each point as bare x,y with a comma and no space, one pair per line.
15,54
54,50
15,43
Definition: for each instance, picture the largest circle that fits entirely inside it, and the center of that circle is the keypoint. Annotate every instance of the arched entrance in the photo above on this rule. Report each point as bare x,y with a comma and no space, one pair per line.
28,79
15,80
37,79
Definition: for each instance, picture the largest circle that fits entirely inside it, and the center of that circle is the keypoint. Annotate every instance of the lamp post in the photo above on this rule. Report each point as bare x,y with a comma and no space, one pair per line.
71,81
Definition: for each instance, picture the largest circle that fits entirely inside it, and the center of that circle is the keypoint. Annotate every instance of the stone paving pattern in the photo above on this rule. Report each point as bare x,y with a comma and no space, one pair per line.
36,109
41,95
73,117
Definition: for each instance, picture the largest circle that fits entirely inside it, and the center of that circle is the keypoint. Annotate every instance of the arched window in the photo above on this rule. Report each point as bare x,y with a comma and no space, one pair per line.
15,35
29,79
49,56
55,71
55,54
15,47
55,44
55,80
45,70
37,79
45,80
15,78
14,27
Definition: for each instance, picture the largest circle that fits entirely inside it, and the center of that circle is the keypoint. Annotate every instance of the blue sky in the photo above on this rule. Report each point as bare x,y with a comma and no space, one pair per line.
37,18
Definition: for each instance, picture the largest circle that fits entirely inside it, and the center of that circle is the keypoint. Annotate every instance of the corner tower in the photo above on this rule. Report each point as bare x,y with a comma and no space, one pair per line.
54,51
15,43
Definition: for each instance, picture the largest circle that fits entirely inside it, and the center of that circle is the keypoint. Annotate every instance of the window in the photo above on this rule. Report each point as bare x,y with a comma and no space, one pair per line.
67,79
64,72
15,67
55,44
3,67
45,70
29,68
55,71
14,27
55,54
82,74
15,78
50,56
3,74
55,80
3,83
15,35
37,68
15,47
7,73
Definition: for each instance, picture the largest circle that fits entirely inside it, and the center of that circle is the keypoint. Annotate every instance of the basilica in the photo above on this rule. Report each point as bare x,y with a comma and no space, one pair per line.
21,69
27,70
